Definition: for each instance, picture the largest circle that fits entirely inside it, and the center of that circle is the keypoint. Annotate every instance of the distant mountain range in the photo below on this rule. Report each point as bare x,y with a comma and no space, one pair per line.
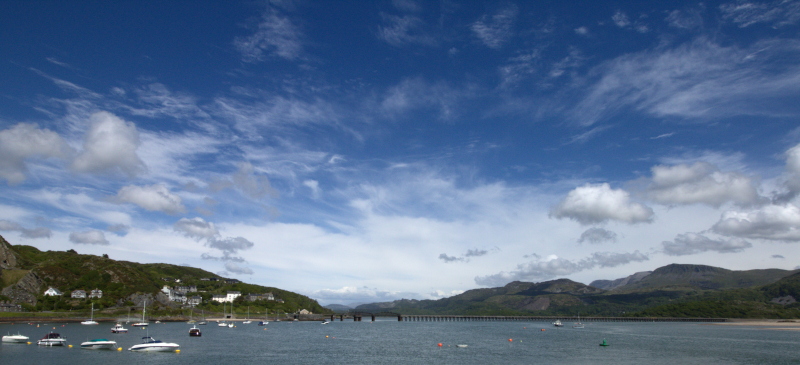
674,290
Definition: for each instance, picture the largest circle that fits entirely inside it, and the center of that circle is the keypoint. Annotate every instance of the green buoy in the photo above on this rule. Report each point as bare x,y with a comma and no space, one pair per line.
604,343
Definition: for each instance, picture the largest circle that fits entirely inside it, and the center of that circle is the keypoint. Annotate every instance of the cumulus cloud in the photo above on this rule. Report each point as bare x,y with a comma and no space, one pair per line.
23,142
153,198
701,183
494,31
236,269
772,222
555,266
196,228
693,243
93,237
591,204
443,294
351,294
38,232
109,146
275,34
597,235
447,259
230,245
792,183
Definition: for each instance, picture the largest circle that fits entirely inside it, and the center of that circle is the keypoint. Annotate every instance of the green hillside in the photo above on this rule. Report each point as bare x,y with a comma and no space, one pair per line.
119,280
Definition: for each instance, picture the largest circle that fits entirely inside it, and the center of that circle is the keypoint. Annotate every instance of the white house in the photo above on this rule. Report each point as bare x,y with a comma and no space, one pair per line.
305,311
195,300
79,294
51,292
232,295
219,298
96,293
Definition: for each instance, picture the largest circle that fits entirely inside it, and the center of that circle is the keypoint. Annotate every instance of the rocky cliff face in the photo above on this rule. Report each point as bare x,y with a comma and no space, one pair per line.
8,260
25,290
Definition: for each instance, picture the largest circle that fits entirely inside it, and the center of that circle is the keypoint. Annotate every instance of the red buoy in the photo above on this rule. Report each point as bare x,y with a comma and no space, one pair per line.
440,344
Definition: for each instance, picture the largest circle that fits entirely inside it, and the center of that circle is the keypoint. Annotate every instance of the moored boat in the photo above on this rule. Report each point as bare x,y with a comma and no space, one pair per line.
143,323
18,338
90,321
119,329
195,332
558,323
150,344
99,344
52,339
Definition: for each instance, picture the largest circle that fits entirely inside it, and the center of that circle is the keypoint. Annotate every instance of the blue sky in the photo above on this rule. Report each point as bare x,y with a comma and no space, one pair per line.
398,149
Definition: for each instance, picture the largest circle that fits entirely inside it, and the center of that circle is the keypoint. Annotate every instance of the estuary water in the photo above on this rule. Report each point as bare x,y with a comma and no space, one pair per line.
392,342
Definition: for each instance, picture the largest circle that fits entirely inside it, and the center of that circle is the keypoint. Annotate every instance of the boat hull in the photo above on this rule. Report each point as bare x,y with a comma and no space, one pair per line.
161,347
15,339
99,345
51,342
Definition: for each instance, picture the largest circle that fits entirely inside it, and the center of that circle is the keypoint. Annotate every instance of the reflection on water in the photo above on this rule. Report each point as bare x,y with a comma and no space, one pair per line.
392,342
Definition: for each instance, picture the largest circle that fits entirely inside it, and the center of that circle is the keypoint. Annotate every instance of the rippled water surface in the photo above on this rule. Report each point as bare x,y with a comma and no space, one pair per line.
392,342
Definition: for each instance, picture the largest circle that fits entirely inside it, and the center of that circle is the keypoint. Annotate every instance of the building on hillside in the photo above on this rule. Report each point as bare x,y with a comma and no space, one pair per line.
167,279
305,311
280,301
195,300
96,293
219,298
232,281
268,296
232,295
51,292
187,289
255,297
10,307
78,294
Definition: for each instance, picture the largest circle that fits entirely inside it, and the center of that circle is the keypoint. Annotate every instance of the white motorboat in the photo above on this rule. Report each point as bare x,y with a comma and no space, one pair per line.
91,321
18,338
222,324
119,329
143,323
578,324
52,339
558,323
99,344
195,332
150,344
461,346
230,325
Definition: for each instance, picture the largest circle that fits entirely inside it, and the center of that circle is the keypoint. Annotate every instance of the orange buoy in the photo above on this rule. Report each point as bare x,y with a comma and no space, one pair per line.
510,340
440,344
542,329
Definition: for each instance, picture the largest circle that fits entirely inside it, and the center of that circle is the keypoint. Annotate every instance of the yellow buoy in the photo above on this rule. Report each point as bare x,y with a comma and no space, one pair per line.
29,342
119,348
70,346
326,336
178,351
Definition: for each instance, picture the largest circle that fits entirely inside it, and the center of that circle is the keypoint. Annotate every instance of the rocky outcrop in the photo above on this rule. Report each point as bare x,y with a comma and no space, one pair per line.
138,299
25,290
8,259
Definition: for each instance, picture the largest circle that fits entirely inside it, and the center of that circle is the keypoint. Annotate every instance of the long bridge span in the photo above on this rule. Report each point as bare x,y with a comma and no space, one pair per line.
358,316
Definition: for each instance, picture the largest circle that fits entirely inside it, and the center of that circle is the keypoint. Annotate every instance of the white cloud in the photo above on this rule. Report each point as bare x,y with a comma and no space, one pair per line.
399,31
93,237
314,186
779,13
25,141
792,183
236,269
358,295
620,19
230,245
693,243
772,222
276,34
700,183
701,80
110,146
599,203
494,31
443,294
597,235
153,198
686,19
447,259
196,228
38,232
582,30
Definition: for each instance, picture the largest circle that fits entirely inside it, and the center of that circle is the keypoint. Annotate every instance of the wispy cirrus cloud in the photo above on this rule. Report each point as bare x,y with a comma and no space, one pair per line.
700,80
745,13
275,34
399,31
494,31
38,232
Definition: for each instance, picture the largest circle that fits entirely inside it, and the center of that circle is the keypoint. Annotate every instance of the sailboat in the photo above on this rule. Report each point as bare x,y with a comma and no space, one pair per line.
223,324
578,324
266,320
203,322
90,321
143,323
248,321
191,317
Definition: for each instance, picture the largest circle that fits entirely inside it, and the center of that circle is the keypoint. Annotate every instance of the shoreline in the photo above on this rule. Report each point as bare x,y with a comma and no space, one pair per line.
769,324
